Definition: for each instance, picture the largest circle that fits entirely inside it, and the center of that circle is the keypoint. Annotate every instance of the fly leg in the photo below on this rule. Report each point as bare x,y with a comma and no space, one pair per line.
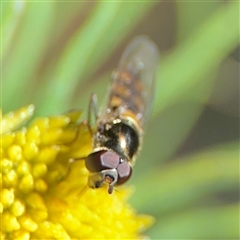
92,109
70,161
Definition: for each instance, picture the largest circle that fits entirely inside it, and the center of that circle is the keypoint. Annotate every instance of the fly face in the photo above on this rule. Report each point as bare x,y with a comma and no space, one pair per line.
107,166
121,122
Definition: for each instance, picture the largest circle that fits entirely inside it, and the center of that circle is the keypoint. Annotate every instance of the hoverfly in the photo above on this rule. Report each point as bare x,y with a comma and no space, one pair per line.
120,123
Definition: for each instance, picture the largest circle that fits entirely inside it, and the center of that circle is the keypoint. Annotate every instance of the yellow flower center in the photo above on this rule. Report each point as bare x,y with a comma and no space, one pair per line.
46,197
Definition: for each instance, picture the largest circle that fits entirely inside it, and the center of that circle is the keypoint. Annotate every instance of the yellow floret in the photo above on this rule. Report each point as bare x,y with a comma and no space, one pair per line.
43,196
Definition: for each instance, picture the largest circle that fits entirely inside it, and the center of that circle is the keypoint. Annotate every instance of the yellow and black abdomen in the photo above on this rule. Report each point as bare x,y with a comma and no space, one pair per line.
132,90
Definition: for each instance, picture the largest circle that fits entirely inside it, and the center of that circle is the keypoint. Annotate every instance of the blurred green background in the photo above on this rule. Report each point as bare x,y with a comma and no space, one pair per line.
54,54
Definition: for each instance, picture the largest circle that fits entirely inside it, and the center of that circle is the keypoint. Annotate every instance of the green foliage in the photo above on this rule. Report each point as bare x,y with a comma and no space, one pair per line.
53,56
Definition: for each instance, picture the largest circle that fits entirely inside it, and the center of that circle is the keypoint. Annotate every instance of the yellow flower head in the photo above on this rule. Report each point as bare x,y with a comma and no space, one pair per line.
45,197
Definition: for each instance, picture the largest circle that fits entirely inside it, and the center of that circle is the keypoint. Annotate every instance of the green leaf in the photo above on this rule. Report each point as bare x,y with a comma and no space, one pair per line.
184,69
180,195
90,46
25,53
188,180
187,21
11,15
216,222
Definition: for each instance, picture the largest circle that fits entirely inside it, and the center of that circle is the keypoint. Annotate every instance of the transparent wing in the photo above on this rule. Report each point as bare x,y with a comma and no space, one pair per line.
140,59
132,89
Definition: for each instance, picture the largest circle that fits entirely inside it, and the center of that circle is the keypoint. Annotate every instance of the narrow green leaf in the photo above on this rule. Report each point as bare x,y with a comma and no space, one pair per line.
165,134
188,180
11,15
185,68
189,22
25,53
220,222
91,45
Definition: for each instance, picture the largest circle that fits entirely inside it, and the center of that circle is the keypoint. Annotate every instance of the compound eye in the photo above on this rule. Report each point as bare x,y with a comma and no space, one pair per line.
102,160
124,171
